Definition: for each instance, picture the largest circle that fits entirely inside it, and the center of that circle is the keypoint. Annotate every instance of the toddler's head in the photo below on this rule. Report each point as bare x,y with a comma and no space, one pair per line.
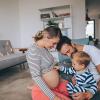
80,60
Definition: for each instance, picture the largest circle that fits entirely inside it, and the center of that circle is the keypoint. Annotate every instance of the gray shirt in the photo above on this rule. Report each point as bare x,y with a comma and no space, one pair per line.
40,61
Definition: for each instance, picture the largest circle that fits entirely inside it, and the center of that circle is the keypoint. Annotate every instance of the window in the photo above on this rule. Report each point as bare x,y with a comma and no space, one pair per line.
90,28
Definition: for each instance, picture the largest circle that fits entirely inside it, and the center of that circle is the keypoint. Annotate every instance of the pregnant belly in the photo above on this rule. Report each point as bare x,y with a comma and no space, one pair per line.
51,78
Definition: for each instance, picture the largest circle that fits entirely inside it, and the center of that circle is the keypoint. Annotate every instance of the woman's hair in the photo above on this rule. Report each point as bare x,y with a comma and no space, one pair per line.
52,32
63,40
82,58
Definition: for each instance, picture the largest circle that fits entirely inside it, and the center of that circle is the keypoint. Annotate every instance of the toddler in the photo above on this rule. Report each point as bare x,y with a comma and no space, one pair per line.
82,80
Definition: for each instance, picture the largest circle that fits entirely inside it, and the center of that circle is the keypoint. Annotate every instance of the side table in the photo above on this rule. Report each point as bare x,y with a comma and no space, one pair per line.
23,49
22,66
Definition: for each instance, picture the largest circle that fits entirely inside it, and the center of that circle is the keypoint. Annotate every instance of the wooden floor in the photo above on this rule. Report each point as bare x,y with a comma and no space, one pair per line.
13,84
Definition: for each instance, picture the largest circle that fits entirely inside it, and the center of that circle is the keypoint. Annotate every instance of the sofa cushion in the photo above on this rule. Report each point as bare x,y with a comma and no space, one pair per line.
81,41
12,60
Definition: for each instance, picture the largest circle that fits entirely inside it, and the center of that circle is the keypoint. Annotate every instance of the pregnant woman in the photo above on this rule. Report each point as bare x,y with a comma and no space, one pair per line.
41,63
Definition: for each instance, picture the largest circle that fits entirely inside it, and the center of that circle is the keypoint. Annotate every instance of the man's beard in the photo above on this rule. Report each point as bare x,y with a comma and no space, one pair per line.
74,51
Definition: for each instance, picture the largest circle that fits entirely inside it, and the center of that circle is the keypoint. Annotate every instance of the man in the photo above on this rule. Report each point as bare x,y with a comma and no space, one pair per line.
67,48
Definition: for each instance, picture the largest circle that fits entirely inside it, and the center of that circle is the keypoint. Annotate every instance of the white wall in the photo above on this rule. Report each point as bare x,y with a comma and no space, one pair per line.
9,21
20,19
30,17
79,22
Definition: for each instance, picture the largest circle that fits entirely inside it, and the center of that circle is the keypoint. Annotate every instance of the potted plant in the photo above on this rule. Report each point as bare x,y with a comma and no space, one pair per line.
52,23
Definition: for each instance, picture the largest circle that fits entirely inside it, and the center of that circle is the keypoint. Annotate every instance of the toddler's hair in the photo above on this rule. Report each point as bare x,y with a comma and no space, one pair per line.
82,58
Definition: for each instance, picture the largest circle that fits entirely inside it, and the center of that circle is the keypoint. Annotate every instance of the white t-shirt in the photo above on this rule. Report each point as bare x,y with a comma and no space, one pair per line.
94,54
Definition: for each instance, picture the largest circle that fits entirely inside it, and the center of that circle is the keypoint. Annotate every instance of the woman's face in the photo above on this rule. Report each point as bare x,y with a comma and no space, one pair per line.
51,42
67,50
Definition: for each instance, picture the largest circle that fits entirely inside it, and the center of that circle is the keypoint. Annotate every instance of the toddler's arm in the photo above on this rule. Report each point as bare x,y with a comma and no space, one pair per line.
67,70
93,85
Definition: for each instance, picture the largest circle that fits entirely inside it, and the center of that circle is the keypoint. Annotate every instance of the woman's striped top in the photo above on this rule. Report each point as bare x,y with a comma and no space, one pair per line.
40,61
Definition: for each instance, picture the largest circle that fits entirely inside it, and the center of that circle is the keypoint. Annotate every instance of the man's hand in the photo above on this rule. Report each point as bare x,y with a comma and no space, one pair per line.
82,96
88,95
78,96
98,84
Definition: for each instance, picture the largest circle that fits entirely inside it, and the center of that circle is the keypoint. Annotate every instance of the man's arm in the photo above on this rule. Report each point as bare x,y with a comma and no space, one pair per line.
98,68
95,58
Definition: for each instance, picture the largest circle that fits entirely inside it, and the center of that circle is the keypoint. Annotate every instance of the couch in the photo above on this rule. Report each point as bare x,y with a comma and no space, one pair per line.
84,41
8,57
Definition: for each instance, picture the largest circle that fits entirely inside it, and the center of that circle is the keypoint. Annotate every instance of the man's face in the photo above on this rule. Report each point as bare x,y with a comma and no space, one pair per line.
67,50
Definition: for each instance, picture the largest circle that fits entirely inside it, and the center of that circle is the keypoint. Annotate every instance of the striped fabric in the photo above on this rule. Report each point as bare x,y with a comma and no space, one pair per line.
84,81
40,61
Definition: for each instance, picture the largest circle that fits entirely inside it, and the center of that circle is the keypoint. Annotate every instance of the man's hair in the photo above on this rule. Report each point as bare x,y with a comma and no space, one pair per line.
63,40
82,58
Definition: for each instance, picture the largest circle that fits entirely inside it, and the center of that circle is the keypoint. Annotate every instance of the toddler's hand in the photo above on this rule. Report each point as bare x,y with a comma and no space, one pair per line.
73,80
56,67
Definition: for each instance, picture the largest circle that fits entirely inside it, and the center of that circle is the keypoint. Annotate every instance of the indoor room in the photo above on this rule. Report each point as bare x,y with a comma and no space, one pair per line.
37,36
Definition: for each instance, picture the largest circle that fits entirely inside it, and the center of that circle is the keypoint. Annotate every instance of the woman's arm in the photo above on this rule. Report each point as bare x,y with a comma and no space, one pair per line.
34,62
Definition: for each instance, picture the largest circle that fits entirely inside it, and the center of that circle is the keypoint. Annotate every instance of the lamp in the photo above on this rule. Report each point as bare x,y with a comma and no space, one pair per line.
87,17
